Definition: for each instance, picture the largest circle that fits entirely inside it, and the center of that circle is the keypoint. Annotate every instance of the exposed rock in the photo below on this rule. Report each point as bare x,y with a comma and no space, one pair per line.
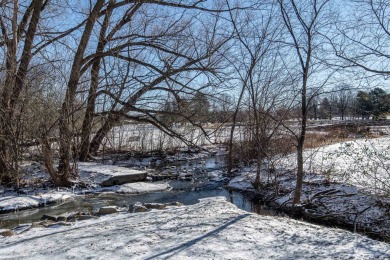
60,223
73,216
137,207
84,217
81,216
6,232
131,176
50,223
155,205
48,217
107,210
109,175
176,204
62,218
43,223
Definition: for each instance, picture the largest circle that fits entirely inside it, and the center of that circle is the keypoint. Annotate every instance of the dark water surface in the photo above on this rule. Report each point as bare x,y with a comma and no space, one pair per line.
186,192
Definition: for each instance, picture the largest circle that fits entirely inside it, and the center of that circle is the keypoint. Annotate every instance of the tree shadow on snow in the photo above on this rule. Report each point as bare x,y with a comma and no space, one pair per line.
192,242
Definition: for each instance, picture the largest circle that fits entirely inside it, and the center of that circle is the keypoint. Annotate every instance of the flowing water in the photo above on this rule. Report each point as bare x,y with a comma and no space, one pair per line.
206,181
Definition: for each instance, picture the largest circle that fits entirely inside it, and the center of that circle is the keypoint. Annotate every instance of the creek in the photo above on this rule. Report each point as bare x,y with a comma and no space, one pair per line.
203,178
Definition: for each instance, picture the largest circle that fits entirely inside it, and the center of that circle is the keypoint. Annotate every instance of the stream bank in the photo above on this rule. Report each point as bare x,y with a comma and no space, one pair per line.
194,174
185,177
210,229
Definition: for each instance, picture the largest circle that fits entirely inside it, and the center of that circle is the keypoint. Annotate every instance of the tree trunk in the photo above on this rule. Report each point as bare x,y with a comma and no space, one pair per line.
5,111
14,83
257,183
234,121
88,117
65,125
301,139
298,186
59,180
111,121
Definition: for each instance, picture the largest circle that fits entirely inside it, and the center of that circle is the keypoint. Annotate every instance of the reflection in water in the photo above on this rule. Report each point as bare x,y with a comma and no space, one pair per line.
186,192
93,202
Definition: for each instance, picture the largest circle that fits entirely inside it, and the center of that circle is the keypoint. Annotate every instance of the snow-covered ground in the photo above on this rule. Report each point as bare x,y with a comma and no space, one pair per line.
345,184
20,202
214,227
144,137
364,163
211,229
91,176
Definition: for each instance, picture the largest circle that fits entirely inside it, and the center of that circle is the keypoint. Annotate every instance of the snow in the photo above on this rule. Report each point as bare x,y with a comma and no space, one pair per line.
346,183
15,202
242,182
139,188
211,229
91,174
134,136
108,175
104,169
364,163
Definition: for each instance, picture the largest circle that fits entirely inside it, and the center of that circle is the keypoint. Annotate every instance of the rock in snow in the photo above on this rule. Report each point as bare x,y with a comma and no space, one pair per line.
109,175
107,210
210,229
6,232
137,207
141,187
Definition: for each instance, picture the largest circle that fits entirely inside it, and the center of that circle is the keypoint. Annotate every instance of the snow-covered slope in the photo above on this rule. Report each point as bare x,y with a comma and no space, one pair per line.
364,163
211,229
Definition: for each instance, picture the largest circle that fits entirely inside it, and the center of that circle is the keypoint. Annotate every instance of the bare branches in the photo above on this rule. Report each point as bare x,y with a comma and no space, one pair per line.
362,41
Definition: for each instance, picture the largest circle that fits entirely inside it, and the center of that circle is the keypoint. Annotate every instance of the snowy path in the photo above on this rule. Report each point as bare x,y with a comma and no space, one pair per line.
210,229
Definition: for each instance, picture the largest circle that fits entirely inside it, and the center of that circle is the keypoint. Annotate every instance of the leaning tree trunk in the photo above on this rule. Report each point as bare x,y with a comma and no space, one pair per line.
88,117
5,113
65,126
5,124
87,123
59,180
110,122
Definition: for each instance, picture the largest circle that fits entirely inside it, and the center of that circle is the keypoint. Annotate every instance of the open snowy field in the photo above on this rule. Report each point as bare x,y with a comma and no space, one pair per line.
211,229
143,137
364,163
347,184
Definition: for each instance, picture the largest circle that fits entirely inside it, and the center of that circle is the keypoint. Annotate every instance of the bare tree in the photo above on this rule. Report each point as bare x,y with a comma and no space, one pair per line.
152,53
184,52
27,30
361,39
260,72
344,99
303,21
103,40
19,25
